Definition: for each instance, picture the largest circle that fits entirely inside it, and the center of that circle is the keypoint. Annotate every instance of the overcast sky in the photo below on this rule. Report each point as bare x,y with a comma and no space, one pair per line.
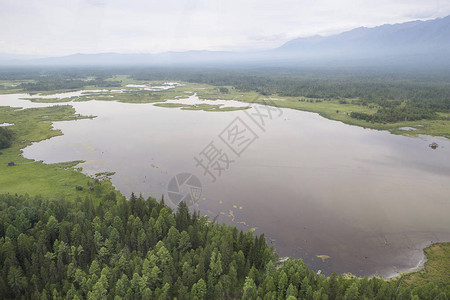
61,27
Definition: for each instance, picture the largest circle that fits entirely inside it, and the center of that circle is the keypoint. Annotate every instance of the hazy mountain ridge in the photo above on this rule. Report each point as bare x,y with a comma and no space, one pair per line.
132,58
406,38
421,42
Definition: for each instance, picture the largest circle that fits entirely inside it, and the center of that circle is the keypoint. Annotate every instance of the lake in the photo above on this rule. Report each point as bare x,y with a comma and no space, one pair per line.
343,198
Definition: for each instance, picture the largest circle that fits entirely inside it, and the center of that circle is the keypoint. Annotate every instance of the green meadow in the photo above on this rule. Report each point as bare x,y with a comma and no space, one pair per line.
35,177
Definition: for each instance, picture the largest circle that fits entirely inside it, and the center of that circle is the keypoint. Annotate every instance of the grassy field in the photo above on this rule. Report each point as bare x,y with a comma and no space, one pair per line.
37,178
204,107
436,269
10,86
341,112
335,109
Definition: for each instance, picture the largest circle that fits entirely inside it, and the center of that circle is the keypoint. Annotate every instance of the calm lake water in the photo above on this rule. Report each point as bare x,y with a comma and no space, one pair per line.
364,201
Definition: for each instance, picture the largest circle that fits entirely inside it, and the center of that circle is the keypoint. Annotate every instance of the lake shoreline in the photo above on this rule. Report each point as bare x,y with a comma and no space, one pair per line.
418,267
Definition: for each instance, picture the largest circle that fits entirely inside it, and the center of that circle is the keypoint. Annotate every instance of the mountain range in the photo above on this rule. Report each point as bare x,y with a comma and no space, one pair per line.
422,42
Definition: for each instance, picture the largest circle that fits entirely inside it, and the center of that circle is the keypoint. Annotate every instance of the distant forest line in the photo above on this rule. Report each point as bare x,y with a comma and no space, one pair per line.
399,95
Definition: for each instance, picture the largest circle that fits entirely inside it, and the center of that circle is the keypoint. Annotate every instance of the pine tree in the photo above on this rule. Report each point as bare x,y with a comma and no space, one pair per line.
249,290
199,290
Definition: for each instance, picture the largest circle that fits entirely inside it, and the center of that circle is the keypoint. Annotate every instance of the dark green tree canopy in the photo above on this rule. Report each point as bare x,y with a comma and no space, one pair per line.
6,137
141,249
